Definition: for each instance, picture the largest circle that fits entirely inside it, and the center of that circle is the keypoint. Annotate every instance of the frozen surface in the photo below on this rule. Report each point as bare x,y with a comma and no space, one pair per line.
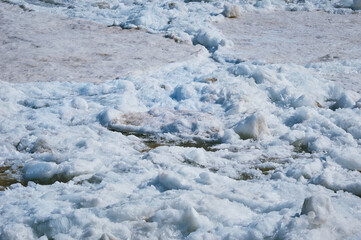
311,39
44,47
293,37
210,147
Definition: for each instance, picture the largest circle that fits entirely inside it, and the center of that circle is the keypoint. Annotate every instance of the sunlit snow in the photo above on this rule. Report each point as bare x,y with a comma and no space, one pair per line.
180,120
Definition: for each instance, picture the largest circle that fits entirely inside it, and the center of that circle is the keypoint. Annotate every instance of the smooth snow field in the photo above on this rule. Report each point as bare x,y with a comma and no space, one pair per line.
180,119
43,47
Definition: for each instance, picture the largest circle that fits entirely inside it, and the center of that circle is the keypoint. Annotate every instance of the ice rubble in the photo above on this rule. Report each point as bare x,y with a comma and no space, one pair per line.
116,182
202,149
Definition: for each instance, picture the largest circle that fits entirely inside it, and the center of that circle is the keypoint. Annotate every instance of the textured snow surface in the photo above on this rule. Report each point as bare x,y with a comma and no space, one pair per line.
211,146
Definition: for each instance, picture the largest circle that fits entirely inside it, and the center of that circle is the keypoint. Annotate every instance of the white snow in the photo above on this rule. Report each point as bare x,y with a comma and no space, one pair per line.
317,208
231,11
253,126
212,141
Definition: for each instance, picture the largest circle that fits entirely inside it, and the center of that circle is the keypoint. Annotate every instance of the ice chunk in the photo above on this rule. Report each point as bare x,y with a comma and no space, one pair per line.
178,126
108,236
191,220
263,4
321,143
317,208
40,171
358,103
259,76
16,231
252,127
346,3
183,92
169,180
101,5
337,179
211,40
196,156
86,202
54,227
108,116
349,158
278,175
304,101
229,136
231,11
149,17
345,101
41,145
306,170
28,144
79,103
242,69
204,178
301,114
185,218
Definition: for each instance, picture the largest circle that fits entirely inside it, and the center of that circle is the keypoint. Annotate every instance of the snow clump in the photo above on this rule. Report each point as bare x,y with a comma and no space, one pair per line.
253,126
231,11
317,208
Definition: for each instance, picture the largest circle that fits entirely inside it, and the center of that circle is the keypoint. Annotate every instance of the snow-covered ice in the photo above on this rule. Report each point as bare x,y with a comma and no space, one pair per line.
43,47
311,39
207,144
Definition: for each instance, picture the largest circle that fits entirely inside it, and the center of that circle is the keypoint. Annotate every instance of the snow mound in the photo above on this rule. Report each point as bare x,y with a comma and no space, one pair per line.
40,171
345,101
253,126
231,11
79,103
317,208
348,158
168,181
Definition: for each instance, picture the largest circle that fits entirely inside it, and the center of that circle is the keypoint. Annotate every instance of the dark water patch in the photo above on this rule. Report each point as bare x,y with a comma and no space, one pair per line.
25,8
95,179
49,181
208,145
154,140
35,104
194,164
213,170
101,5
301,146
9,176
38,146
268,165
266,159
243,177
266,170
46,3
